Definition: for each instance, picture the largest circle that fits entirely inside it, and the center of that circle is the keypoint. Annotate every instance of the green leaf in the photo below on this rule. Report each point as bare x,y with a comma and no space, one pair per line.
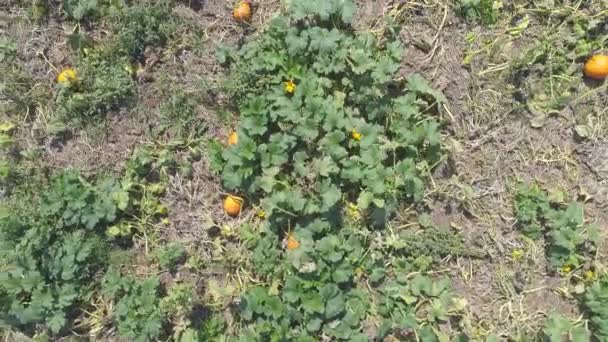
312,303
335,307
418,84
365,199
314,325
57,322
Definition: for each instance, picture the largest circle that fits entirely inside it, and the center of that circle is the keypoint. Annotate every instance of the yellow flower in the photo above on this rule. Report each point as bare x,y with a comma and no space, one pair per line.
516,254
567,269
261,214
355,135
290,87
589,275
165,221
67,77
353,212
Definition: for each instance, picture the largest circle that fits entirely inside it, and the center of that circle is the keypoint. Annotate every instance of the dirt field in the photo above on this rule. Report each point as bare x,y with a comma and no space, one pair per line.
518,111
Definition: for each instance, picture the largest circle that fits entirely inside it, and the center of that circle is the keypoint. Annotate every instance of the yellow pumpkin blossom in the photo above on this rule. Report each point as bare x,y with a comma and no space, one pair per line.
567,269
261,214
517,254
290,87
355,135
67,77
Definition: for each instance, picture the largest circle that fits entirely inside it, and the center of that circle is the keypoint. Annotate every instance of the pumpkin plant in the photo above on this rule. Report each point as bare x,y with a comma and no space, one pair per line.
323,118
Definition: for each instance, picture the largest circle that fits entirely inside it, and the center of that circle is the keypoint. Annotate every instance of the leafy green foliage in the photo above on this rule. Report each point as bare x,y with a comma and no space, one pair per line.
348,131
178,306
91,9
178,113
324,123
531,206
560,328
171,255
141,26
53,241
421,250
104,85
485,11
50,252
137,314
595,302
321,292
570,240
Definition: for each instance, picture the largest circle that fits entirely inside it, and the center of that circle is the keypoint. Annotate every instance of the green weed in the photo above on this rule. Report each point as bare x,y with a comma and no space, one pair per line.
595,302
570,241
484,11
137,315
178,306
19,93
106,72
170,256
91,9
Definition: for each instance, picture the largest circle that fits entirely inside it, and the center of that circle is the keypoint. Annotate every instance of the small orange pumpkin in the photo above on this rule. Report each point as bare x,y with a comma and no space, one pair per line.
292,243
597,67
233,139
242,12
233,205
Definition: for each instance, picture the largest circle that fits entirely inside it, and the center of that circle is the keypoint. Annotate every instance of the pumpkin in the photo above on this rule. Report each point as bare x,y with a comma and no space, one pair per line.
292,243
597,67
233,205
242,12
67,77
233,138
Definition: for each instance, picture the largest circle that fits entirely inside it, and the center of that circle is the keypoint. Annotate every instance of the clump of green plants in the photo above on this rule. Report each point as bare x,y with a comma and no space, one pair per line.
323,119
560,328
178,306
329,142
105,73
137,313
484,11
333,285
146,177
570,241
7,159
56,237
171,255
51,249
595,302
91,9
178,113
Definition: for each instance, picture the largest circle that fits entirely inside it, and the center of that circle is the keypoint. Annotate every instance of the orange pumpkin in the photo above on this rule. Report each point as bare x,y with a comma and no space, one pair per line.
597,67
292,243
233,205
242,12
233,138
